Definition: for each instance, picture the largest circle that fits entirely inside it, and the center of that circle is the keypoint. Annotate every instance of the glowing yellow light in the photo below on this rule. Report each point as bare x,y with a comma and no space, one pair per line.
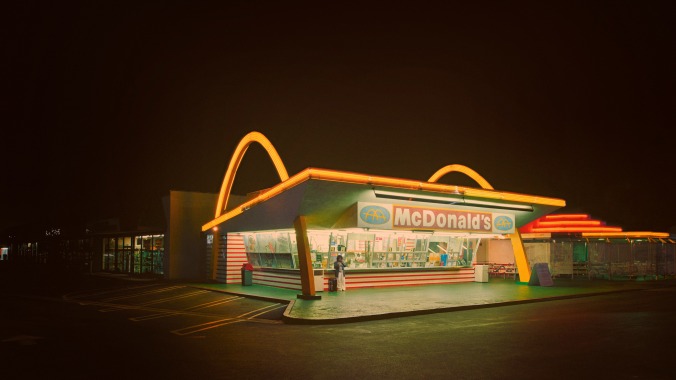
349,177
462,169
486,191
236,159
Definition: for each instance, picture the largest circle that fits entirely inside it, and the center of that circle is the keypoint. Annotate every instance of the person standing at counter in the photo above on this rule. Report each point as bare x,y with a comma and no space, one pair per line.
339,268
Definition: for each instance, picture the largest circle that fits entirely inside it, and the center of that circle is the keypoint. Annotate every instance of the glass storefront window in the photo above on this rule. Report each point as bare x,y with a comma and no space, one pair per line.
271,249
363,249
134,254
109,254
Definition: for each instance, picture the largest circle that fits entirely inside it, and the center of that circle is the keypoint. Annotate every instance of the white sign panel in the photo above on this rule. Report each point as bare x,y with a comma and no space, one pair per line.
389,216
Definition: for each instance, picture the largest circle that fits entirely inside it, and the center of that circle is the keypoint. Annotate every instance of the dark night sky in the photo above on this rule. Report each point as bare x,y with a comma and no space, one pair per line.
110,104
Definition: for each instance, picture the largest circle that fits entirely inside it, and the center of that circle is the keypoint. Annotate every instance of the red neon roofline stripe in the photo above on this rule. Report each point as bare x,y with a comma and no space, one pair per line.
568,223
578,229
567,216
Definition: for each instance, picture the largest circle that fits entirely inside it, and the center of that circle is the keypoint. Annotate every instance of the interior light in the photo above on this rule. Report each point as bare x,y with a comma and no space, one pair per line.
423,232
449,200
416,197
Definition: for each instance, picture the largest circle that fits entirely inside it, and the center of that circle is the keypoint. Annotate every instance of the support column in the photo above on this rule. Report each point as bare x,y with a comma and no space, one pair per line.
304,261
214,253
520,256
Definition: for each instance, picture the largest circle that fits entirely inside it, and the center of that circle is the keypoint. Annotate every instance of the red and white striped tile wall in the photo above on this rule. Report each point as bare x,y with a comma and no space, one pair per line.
235,257
427,277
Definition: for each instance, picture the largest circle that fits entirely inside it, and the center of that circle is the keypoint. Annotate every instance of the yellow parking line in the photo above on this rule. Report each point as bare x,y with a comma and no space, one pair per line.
263,312
196,307
186,295
208,325
143,293
99,292
253,311
161,300
215,303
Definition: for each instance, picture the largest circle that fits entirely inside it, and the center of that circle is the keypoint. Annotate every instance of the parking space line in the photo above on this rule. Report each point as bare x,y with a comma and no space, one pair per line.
214,303
152,316
154,309
166,299
209,325
219,323
102,291
161,300
162,290
227,321
266,311
253,311
196,307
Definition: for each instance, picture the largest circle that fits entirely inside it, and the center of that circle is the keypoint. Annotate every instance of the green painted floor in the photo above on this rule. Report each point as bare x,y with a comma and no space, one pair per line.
379,303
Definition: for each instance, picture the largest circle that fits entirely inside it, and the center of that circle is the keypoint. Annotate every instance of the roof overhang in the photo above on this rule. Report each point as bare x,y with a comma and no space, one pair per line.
323,195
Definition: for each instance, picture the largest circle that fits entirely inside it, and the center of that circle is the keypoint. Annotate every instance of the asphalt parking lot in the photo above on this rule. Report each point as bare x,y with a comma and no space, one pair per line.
181,309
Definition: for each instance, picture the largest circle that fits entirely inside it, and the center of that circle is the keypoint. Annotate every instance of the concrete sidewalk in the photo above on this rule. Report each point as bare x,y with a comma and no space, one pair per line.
380,303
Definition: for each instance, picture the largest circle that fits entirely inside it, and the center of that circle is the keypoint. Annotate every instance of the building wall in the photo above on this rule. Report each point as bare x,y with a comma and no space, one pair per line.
537,253
235,258
482,252
187,212
500,251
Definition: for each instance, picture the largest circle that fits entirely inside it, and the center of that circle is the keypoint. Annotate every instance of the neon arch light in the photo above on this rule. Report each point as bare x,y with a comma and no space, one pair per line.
236,159
462,169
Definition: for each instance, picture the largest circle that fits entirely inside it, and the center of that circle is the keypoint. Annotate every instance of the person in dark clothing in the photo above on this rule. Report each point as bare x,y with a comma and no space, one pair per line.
339,269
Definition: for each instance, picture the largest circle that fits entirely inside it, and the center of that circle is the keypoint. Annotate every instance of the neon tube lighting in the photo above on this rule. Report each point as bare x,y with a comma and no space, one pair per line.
578,229
567,216
449,200
399,195
499,205
568,223
338,176
462,169
235,161
629,234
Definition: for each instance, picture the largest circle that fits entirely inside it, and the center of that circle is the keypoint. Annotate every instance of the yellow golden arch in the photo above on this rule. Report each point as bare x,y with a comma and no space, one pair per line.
236,159
228,180
517,244
462,169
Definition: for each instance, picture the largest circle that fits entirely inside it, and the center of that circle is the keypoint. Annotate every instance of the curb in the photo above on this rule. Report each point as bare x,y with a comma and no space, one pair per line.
287,318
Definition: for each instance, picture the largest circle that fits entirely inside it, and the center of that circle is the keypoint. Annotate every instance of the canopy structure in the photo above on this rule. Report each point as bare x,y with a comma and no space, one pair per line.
323,196
326,199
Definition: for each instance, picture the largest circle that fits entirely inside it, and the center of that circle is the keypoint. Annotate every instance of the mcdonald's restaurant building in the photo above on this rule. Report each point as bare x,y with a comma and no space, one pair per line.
390,231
